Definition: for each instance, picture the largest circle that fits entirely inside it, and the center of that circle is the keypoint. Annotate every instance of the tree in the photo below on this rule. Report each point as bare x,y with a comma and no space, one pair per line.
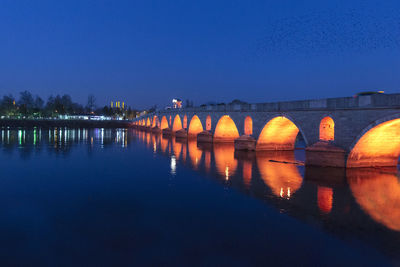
7,105
91,103
26,103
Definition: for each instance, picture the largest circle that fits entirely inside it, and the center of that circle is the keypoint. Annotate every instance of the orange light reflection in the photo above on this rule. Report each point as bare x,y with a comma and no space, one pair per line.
378,194
283,179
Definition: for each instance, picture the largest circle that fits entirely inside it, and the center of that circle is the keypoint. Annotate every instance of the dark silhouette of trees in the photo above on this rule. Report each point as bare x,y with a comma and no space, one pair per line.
29,106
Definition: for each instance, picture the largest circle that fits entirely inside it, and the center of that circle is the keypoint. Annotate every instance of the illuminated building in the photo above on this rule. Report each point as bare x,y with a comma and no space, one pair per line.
176,103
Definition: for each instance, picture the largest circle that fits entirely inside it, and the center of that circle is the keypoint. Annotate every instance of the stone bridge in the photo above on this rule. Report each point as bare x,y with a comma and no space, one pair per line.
361,131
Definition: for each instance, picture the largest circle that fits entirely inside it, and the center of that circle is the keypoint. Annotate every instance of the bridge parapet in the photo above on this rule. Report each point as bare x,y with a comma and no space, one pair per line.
360,102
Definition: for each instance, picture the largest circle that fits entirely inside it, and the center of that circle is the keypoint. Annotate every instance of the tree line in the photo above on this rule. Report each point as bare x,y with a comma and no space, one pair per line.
29,106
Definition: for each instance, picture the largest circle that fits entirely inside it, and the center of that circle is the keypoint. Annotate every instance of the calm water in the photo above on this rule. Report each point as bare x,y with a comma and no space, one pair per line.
78,197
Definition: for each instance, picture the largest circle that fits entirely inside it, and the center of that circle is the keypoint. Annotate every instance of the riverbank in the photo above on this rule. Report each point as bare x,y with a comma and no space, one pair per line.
48,123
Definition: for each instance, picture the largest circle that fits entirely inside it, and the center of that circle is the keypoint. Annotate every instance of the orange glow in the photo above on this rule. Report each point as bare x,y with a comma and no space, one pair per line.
154,142
325,199
378,194
327,129
156,122
248,126
184,152
177,147
185,122
164,144
207,160
170,120
380,146
148,123
247,172
148,139
226,130
225,161
278,134
195,126
208,123
177,124
164,123
194,152
283,179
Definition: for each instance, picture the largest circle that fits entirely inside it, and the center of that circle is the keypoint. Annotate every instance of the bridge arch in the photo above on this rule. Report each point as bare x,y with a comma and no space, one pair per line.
279,133
177,124
208,123
248,126
327,129
148,123
156,122
378,145
184,122
225,130
164,123
195,126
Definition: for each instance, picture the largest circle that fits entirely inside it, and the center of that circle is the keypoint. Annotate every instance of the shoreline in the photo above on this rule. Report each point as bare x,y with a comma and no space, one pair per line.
64,123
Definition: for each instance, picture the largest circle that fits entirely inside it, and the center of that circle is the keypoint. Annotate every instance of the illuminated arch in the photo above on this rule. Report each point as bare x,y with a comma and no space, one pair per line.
283,179
327,129
156,122
208,123
248,126
195,126
225,161
377,193
164,123
378,146
184,122
148,123
177,124
226,130
278,134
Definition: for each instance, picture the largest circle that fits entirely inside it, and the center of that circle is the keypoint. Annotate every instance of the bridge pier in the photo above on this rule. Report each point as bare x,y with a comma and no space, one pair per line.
155,130
205,137
167,132
181,134
245,142
324,154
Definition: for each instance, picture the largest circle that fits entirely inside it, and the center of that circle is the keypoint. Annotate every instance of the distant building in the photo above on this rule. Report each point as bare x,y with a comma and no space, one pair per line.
176,103
117,104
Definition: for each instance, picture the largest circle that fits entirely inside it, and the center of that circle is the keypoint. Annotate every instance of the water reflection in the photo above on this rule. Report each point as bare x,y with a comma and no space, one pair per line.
194,153
278,171
357,203
378,194
320,194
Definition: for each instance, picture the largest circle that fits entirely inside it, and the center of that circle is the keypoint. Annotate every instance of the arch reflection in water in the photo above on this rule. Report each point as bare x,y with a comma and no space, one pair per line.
177,148
224,154
284,179
378,194
164,144
194,153
325,199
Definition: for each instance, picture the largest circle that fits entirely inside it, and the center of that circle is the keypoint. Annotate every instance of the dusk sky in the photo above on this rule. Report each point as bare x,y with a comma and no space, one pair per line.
147,52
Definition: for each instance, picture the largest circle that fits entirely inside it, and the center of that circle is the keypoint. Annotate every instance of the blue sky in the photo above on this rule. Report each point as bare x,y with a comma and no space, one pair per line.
147,52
